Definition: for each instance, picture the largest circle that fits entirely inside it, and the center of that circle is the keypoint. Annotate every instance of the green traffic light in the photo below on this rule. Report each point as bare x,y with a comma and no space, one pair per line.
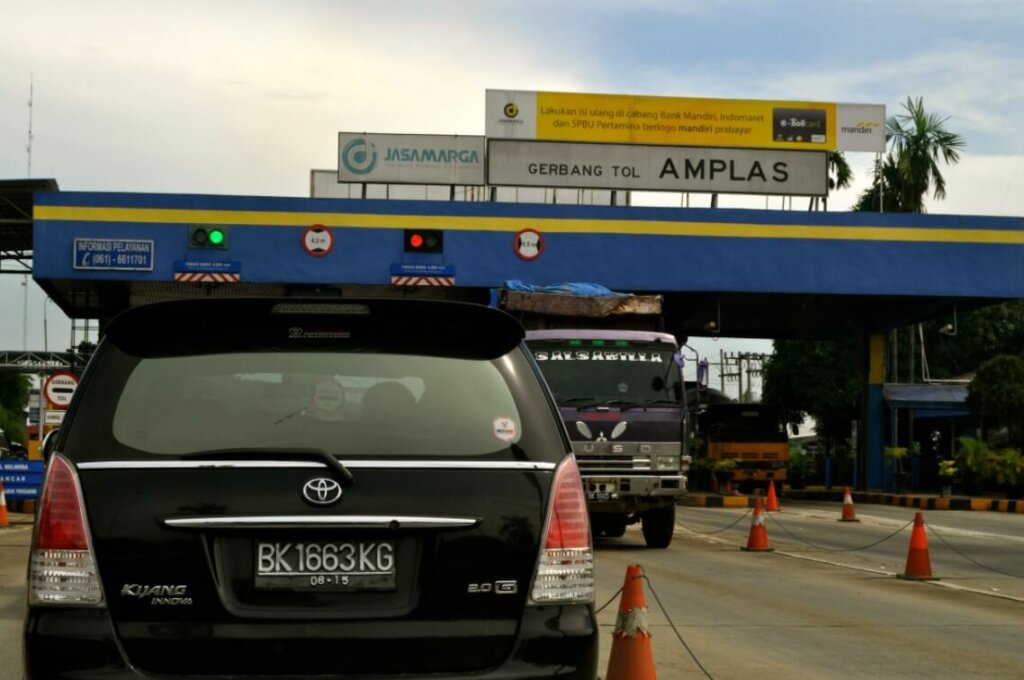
207,237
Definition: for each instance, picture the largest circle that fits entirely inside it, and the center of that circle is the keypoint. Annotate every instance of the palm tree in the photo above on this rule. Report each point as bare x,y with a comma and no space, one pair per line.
919,142
840,176
892,201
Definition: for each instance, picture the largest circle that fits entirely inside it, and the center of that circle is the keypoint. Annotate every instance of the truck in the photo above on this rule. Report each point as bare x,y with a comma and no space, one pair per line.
752,434
619,388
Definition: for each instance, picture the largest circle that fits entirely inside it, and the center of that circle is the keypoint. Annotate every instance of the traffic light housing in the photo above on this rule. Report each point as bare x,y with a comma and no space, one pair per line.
201,236
424,241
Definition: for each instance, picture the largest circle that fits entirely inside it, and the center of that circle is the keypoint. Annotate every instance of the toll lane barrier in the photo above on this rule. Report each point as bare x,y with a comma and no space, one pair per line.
713,500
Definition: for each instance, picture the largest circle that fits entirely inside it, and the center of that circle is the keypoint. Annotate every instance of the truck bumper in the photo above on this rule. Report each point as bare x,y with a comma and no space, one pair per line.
618,487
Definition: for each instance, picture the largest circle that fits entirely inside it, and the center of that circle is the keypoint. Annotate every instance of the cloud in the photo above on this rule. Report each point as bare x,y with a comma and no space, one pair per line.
212,96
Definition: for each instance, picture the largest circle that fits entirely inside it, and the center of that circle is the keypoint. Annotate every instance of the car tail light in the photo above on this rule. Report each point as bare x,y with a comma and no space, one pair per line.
565,570
62,569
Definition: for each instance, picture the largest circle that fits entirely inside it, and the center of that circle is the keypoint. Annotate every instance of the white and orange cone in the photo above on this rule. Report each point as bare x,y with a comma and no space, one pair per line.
631,657
4,519
849,514
772,503
919,565
758,539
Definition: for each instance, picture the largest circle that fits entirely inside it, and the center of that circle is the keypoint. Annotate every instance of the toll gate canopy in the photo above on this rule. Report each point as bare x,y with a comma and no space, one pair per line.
750,273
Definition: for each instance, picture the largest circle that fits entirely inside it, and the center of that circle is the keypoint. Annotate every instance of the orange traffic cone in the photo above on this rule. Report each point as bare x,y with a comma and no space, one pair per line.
772,504
919,566
849,514
4,519
631,657
758,539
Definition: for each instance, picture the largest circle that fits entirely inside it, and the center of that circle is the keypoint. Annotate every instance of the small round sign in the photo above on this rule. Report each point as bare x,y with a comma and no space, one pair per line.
317,240
60,387
528,244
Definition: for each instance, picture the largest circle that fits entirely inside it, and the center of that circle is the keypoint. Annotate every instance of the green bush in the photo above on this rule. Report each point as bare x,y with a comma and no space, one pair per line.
800,464
996,395
1006,468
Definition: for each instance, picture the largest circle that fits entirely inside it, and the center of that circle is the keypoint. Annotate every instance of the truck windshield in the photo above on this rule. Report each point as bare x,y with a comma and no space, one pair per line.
621,376
744,423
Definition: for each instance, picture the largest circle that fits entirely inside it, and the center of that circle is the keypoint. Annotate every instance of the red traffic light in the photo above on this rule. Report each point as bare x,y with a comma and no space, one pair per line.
424,241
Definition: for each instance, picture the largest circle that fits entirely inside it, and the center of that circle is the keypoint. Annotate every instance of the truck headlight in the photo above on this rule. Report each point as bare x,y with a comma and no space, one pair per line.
667,463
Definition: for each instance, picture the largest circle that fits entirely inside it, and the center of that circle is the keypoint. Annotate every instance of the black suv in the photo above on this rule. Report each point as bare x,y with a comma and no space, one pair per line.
311,488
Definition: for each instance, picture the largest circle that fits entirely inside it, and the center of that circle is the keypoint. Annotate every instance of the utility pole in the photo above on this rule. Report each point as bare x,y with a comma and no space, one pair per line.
741,397
28,147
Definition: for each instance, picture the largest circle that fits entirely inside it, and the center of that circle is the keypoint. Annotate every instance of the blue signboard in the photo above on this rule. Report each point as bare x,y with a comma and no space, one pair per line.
113,254
21,478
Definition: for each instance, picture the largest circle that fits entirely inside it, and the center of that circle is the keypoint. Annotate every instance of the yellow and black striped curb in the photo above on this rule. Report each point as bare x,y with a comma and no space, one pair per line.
21,506
712,500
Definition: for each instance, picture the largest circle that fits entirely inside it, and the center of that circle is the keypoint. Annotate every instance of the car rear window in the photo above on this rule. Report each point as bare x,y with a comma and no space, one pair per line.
370,378
347,403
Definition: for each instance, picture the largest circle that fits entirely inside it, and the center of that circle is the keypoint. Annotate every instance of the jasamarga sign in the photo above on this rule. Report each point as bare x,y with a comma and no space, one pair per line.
676,121
410,159
657,168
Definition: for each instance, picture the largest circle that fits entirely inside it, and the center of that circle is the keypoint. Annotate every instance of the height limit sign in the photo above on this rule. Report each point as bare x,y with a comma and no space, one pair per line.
528,244
318,240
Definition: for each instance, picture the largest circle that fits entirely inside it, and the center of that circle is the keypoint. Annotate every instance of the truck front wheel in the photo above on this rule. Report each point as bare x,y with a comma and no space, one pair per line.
658,526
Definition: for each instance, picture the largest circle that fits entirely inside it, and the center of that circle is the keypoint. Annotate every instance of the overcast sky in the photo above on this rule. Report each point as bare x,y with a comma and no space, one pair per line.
246,97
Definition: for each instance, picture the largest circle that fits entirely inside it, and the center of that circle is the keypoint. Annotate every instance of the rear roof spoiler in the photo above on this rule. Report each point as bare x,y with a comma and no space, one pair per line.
601,334
433,326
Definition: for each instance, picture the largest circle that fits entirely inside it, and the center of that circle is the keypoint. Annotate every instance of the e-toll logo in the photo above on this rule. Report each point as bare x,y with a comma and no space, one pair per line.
359,157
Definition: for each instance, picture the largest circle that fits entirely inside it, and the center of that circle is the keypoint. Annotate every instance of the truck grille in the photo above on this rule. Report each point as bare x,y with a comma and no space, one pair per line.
612,464
748,455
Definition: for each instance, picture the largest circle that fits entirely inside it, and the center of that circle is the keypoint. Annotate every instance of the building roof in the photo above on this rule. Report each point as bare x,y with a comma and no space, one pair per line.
16,220
949,399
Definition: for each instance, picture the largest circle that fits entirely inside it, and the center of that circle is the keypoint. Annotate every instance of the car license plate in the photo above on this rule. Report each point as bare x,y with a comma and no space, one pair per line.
325,565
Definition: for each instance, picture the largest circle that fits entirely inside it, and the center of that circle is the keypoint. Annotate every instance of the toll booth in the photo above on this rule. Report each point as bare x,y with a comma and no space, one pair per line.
743,273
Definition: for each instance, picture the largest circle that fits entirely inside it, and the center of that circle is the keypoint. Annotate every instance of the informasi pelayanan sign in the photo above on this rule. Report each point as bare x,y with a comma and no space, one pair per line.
657,168
410,159
675,121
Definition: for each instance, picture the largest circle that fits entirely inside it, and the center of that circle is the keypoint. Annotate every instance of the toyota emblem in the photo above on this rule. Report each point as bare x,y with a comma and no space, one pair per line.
321,491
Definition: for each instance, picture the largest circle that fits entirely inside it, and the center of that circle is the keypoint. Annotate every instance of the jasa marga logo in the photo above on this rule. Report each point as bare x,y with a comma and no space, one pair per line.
359,156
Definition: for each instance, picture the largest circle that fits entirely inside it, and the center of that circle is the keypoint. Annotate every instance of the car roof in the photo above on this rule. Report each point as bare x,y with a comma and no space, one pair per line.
600,334
428,326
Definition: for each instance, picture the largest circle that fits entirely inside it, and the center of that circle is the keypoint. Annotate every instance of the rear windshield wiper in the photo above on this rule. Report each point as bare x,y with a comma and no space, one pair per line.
591,402
331,461
644,403
580,402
